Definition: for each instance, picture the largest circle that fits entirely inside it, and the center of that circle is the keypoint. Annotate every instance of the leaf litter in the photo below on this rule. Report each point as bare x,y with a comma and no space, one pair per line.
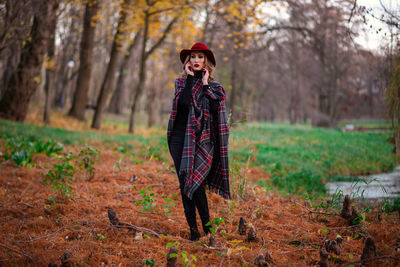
78,232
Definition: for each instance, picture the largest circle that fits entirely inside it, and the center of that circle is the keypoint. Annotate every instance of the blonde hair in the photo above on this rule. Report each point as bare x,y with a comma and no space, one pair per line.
207,64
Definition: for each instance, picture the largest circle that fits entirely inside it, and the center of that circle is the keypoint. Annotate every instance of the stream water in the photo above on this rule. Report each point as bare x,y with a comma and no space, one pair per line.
372,187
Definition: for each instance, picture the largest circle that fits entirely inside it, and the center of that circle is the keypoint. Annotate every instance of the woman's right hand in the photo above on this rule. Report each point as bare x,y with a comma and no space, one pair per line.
189,69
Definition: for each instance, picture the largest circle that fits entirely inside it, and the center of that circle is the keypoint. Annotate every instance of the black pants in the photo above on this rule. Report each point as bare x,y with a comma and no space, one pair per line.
199,199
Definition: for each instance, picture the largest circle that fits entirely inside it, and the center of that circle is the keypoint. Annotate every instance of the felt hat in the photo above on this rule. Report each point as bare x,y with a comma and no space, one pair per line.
198,47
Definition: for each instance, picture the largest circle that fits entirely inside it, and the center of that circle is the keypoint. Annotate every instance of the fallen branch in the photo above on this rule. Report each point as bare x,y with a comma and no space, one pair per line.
262,245
150,184
29,205
16,251
315,211
112,216
345,226
212,248
322,212
41,237
148,213
137,228
290,251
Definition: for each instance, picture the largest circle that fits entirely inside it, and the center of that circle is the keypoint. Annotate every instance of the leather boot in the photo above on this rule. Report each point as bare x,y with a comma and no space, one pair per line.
194,234
201,202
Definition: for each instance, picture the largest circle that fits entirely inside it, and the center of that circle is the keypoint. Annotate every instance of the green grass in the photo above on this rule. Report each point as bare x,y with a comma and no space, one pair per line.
135,145
299,158
302,158
9,129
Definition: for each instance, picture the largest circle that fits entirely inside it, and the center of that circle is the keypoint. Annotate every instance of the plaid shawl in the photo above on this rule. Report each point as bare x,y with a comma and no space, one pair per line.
198,149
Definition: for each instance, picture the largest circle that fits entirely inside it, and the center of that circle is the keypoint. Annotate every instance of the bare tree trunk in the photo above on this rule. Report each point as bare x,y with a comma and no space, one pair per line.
371,97
234,91
142,78
116,53
23,83
154,105
204,34
49,85
58,98
119,96
143,59
86,59
142,73
12,34
14,51
69,52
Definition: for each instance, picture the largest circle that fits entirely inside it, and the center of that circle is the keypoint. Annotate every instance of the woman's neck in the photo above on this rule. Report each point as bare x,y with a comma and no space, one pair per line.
198,74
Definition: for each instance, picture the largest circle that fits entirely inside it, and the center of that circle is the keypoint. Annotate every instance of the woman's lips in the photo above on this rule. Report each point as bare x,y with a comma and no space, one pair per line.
196,65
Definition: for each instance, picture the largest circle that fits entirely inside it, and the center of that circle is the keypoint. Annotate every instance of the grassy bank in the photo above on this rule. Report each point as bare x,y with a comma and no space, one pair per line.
301,158
138,146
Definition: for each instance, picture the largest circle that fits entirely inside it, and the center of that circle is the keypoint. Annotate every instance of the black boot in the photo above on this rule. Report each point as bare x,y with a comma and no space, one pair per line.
201,202
194,234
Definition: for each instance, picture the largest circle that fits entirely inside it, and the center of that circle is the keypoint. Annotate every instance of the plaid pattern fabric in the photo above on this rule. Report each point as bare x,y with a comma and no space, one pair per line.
198,149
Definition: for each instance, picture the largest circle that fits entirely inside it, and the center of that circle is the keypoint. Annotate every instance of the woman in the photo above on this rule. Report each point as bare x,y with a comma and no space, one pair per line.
198,135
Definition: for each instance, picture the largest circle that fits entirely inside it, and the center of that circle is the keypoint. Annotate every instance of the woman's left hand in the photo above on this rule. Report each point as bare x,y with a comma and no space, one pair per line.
206,74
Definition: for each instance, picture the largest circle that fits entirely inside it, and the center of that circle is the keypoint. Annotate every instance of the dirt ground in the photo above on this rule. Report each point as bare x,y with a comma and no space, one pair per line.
36,232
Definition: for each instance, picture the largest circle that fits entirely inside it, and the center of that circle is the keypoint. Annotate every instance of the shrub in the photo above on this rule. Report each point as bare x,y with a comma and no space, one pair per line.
147,201
21,149
61,176
88,156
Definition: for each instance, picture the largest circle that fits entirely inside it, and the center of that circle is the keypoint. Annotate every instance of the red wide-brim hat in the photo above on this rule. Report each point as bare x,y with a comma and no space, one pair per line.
198,47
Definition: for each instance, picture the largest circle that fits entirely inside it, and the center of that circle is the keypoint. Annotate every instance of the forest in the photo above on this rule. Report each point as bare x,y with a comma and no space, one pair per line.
278,60
313,101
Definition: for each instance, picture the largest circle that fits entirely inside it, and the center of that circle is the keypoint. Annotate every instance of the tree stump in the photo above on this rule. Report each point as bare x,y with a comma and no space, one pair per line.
171,260
65,259
242,226
252,235
112,216
212,241
323,258
346,210
334,246
260,261
369,250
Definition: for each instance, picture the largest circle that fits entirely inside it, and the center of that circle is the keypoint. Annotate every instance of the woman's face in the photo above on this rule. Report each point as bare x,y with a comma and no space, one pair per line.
197,60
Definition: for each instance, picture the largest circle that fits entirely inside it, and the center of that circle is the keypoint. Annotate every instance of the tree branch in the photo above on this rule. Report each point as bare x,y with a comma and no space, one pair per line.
352,11
112,216
160,11
165,33
16,251
389,12
137,228
285,27
41,237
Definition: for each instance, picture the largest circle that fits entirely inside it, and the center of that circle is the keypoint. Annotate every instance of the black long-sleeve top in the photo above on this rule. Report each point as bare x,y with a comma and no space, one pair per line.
184,103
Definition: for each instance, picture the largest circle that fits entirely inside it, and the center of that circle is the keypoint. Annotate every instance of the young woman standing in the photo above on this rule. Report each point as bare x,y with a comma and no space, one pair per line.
198,133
